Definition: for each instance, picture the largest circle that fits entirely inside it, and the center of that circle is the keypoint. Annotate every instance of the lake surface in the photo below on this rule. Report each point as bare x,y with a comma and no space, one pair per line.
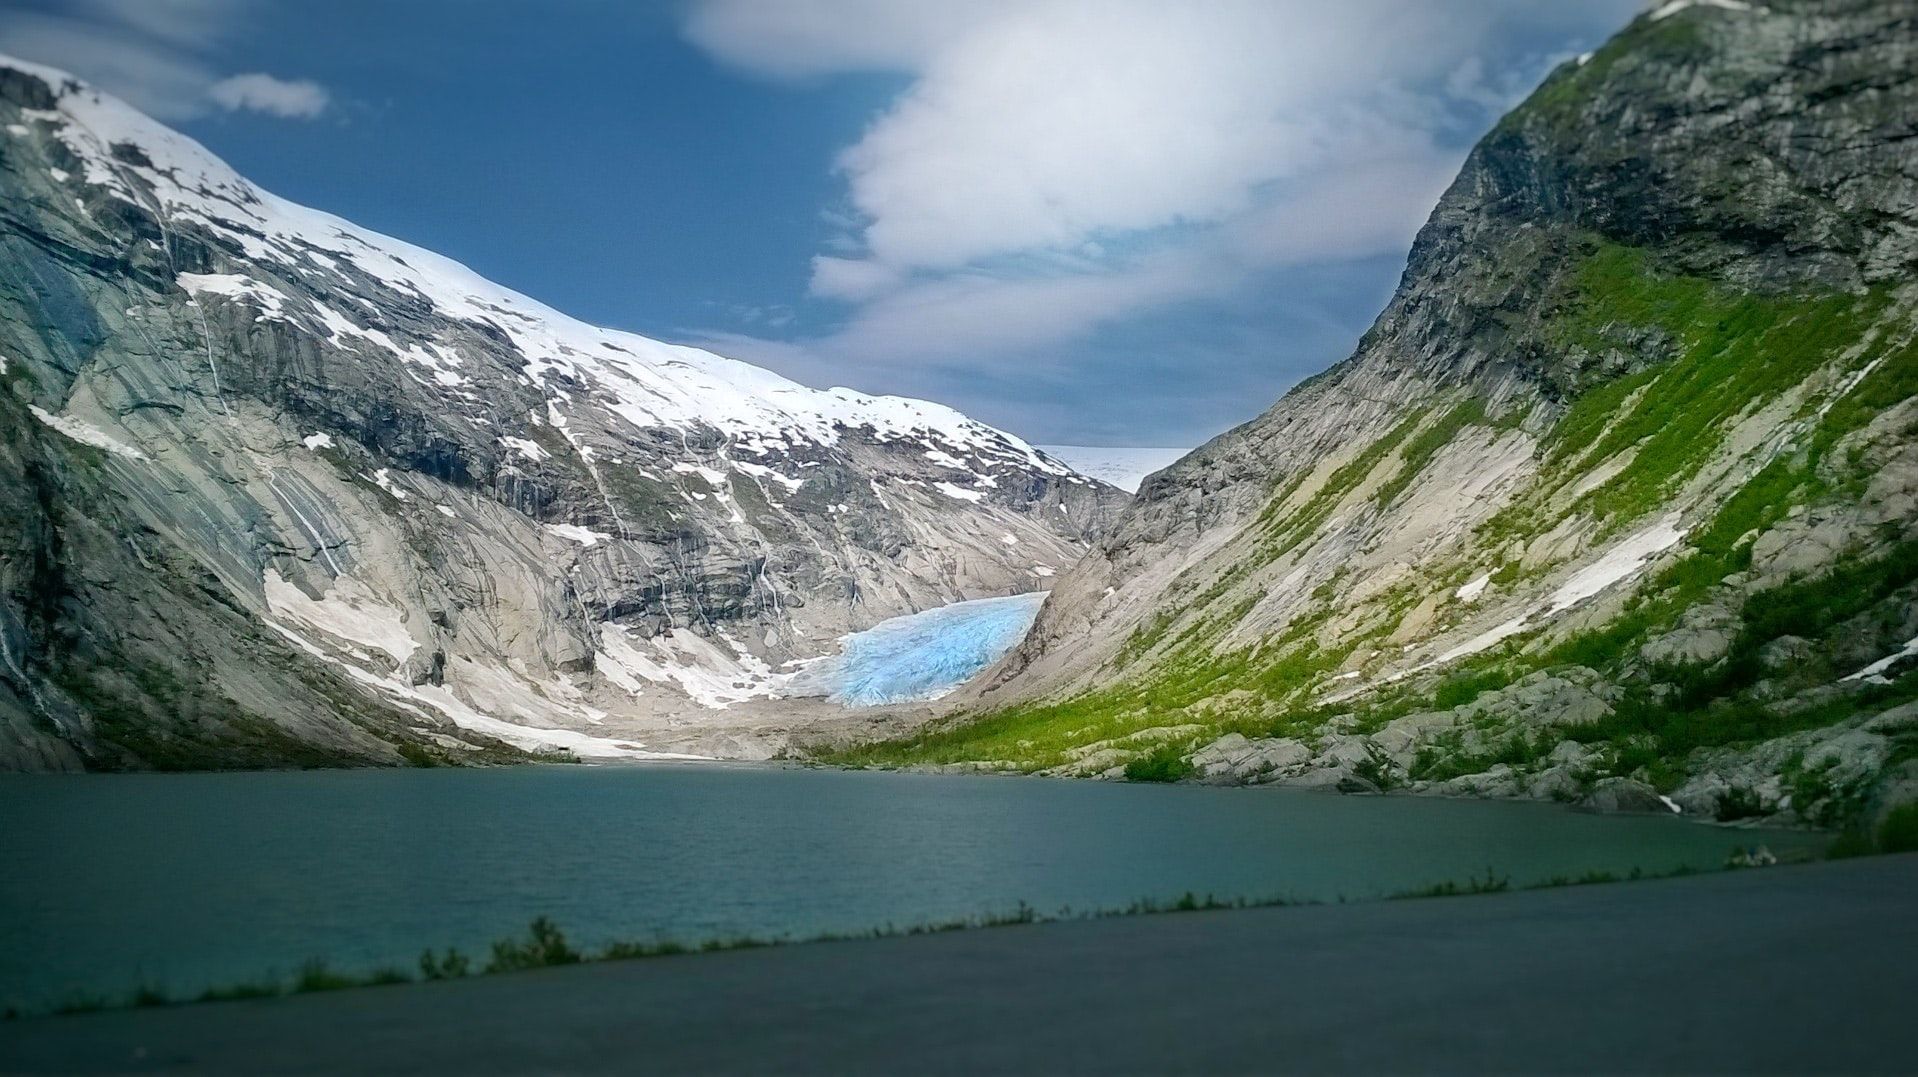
184,881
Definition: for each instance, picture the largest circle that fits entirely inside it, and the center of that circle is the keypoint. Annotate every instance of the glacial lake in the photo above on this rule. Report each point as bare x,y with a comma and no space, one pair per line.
189,880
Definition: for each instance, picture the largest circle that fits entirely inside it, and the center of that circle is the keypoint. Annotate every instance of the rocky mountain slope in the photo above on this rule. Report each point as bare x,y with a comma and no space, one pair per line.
1617,499
283,490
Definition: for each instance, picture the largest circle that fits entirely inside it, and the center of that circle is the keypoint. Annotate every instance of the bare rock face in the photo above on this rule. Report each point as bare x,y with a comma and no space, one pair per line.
289,491
1627,461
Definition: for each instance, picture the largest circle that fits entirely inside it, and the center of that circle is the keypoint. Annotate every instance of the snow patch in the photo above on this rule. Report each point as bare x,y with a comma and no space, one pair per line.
761,471
384,481
1673,7
86,433
441,699
1875,673
958,492
583,536
349,611
1480,642
1620,562
318,441
1470,590
235,287
712,677
531,450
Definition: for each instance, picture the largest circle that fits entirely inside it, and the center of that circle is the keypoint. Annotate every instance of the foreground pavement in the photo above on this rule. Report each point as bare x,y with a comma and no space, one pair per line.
1783,969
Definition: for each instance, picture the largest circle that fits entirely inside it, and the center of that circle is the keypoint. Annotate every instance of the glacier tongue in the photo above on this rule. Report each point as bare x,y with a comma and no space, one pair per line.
921,656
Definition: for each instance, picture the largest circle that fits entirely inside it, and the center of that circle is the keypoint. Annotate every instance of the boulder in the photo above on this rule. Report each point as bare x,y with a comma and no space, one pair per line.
1352,783
1785,654
1237,758
1555,783
1703,636
1499,781
1401,738
1620,795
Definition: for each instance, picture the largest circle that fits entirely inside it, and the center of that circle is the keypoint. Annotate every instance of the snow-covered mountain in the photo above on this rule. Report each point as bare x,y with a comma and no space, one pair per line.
293,490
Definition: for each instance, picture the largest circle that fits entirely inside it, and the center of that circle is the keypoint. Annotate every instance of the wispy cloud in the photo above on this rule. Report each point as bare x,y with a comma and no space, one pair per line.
301,99
153,53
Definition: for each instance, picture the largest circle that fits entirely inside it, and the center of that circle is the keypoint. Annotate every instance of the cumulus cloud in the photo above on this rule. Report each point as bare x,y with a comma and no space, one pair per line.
1057,164
301,99
152,54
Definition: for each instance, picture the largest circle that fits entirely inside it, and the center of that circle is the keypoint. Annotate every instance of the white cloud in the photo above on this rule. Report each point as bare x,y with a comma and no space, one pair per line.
850,278
1057,164
150,52
301,99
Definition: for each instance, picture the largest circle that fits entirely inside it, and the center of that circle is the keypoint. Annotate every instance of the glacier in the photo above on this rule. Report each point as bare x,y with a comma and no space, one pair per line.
1118,465
921,656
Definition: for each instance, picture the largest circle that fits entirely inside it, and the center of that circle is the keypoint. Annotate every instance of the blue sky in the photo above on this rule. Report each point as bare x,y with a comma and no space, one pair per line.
1124,222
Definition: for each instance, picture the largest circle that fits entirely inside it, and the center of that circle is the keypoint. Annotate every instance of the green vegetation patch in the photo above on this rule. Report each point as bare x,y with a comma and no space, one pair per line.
1167,763
1735,350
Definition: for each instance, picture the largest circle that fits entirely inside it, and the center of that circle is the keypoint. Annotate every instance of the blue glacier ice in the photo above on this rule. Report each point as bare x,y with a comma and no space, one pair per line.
923,655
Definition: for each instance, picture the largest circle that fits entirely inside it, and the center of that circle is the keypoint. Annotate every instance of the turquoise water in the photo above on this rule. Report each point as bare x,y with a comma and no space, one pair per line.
188,880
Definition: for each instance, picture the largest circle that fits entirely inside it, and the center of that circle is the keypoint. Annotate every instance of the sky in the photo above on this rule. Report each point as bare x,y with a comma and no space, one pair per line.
1095,222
